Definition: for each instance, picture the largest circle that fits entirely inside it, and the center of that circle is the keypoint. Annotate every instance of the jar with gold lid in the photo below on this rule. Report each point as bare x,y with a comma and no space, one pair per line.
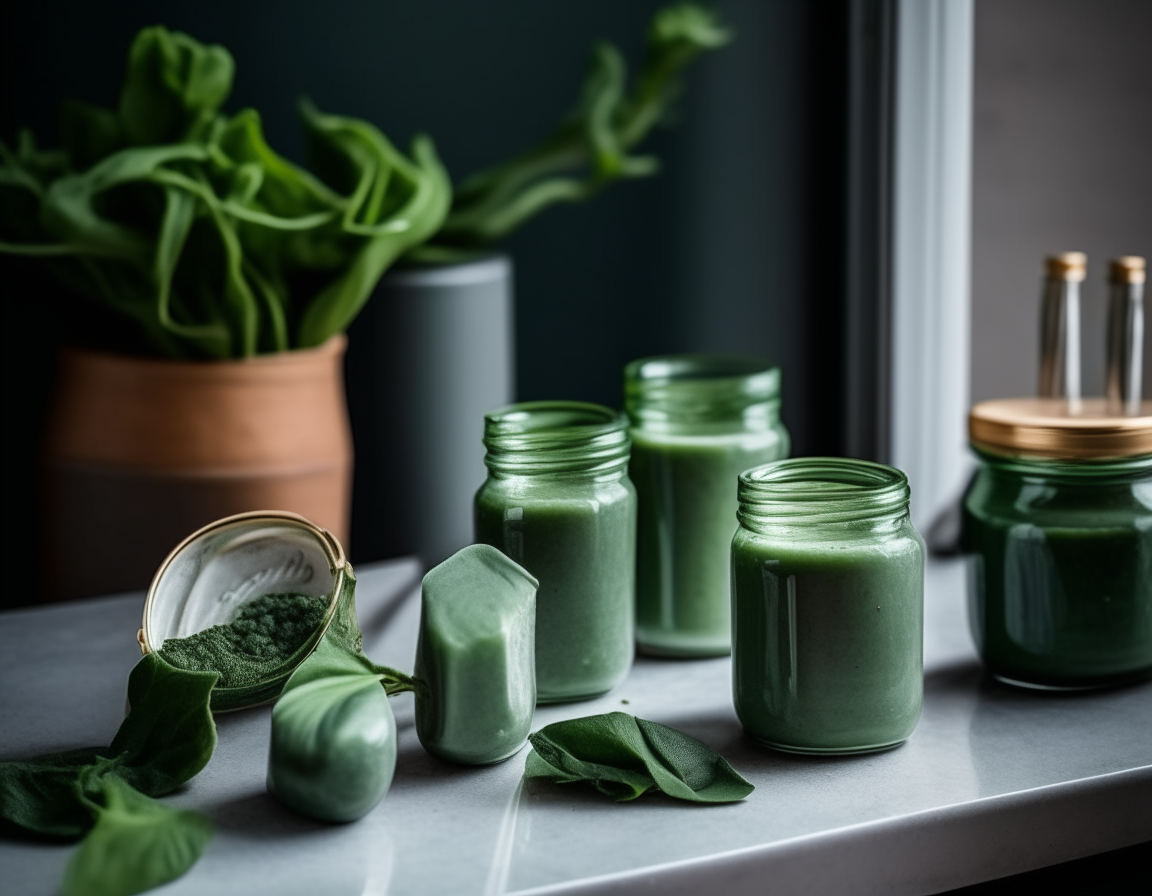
1057,528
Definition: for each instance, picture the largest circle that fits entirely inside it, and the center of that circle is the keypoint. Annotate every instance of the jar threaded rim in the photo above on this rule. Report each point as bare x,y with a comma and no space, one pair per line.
701,388
807,491
544,437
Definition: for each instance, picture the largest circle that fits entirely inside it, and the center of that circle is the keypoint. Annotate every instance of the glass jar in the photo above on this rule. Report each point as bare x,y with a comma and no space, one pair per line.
1057,528
558,501
698,421
827,607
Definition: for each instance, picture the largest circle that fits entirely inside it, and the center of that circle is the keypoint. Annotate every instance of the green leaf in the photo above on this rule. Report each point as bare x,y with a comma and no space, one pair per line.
42,796
394,205
169,734
622,757
330,658
589,149
70,210
167,737
135,845
179,212
173,88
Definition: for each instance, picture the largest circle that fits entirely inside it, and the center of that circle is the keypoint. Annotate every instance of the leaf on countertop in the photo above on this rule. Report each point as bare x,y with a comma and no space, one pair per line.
136,844
42,796
169,734
623,756
167,737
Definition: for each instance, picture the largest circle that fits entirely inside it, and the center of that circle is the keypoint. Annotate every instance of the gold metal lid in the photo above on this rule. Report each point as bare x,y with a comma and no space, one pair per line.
1067,266
1044,427
1126,269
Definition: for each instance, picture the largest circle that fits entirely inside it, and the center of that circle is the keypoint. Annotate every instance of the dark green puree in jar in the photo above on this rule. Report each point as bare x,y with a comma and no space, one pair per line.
1057,527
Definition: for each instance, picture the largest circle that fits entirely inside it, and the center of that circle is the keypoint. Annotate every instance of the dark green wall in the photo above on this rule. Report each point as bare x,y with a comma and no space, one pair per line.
721,251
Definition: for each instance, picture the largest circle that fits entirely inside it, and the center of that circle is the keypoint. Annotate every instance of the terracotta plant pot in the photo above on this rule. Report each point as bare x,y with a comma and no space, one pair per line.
140,452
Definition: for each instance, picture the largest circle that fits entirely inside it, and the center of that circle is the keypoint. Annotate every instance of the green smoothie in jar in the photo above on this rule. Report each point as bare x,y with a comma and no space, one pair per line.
558,502
698,421
1057,528
827,607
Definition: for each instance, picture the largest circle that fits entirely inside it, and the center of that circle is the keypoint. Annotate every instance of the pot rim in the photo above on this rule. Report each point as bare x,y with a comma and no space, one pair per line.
334,345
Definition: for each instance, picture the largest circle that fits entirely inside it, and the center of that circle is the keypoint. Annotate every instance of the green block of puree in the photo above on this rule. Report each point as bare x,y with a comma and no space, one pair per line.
828,604
698,421
558,501
475,657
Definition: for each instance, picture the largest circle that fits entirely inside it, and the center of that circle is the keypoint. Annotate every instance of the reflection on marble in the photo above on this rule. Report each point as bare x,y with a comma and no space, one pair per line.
460,830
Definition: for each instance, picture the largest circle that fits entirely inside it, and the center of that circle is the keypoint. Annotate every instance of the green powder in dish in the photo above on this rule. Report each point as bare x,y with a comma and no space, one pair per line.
255,644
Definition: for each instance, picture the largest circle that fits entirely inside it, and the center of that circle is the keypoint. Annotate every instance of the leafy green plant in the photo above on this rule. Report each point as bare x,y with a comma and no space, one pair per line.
623,757
184,222
591,146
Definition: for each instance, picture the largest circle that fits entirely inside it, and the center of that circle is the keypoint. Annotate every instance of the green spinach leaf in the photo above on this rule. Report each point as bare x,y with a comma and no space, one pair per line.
623,756
169,734
167,737
136,844
42,796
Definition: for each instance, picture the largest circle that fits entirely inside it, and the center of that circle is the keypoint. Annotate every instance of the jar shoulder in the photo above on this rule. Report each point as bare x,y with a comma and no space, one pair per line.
829,541
524,490
1010,497
774,440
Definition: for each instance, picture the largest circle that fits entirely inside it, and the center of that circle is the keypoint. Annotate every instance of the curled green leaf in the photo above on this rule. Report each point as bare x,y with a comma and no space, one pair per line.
173,88
166,739
623,756
135,845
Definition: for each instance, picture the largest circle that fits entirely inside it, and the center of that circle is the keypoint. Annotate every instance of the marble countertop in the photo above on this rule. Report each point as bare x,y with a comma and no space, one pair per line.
994,781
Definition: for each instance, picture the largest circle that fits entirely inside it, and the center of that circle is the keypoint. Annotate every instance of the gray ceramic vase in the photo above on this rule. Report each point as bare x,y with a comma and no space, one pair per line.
429,355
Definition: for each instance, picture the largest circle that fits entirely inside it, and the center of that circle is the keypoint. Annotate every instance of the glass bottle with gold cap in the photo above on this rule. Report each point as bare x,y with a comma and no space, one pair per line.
1125,334
1060,326
1057,526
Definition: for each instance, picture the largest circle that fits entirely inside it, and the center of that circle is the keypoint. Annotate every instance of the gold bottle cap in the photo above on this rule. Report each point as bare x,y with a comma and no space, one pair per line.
1126,269
1044,427
1067,266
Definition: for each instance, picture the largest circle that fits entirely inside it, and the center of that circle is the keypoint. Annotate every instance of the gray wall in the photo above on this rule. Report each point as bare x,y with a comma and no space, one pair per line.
1062,161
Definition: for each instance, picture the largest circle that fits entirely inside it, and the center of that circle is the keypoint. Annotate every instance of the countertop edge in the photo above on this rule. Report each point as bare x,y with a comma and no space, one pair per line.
926,852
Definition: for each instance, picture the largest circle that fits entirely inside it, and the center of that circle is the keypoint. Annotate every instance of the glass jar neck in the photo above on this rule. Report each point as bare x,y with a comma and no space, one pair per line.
547,439
672,393
1094,471
831,494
